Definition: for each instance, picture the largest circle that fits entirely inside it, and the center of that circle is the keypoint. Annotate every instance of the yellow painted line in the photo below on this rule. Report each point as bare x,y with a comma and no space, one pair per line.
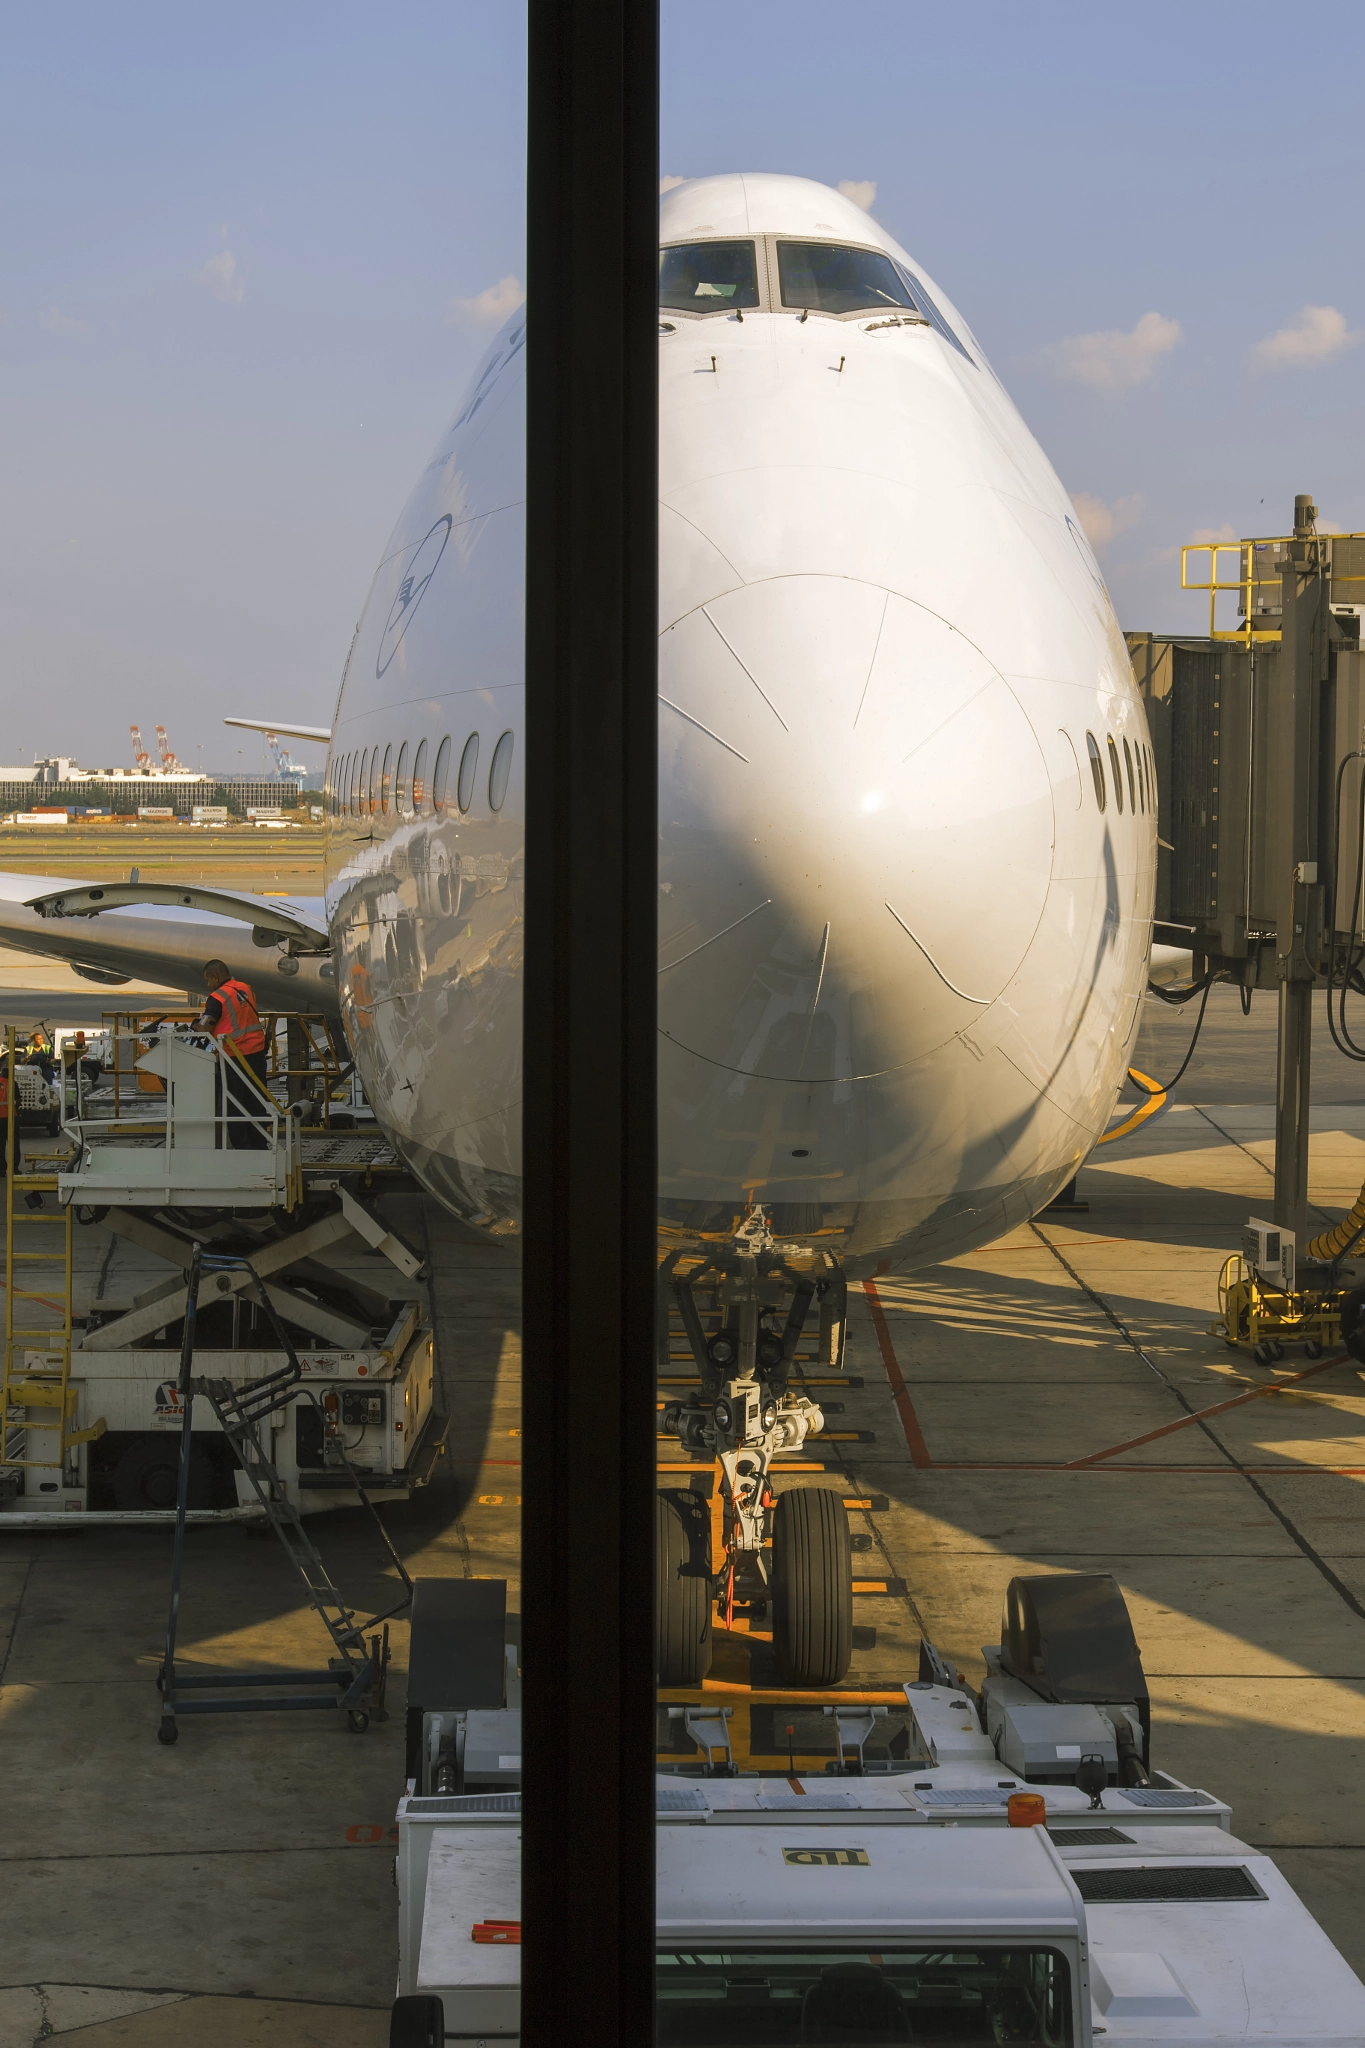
1145,1111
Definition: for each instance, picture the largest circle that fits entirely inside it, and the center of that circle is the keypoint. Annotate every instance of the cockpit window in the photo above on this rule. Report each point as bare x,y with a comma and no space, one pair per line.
708,277
933,312
826,277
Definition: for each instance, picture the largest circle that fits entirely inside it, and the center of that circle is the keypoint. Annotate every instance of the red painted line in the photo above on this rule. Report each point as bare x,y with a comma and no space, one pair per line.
900,1393
1219,1408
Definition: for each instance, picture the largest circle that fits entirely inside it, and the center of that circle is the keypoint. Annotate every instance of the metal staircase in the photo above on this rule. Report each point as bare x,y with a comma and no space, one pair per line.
354,1678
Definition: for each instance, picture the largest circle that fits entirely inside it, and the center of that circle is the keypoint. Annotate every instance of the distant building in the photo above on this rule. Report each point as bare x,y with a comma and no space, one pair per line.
126,791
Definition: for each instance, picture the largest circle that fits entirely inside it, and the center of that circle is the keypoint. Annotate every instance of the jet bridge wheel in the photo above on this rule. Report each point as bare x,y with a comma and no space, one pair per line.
812,1568
682,1591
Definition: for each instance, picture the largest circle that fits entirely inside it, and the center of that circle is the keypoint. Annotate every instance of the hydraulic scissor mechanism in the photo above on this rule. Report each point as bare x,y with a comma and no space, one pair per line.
744,1312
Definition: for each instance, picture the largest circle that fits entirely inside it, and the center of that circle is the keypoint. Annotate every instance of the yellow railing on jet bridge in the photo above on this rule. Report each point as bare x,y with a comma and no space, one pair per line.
1247,581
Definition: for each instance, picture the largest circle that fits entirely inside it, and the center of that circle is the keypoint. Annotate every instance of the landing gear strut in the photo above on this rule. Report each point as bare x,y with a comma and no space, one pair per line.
756,1299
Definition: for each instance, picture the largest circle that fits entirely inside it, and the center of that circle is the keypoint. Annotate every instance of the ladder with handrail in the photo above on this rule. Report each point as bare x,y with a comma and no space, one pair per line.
37,1399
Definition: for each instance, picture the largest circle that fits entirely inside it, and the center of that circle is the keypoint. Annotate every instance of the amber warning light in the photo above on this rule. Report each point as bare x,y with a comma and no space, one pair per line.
1027,1810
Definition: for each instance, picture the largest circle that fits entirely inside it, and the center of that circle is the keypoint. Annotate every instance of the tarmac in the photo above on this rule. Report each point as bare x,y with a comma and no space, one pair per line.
1055,1402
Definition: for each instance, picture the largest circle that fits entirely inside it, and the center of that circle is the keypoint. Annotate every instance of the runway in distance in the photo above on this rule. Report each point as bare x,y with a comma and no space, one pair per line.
907,820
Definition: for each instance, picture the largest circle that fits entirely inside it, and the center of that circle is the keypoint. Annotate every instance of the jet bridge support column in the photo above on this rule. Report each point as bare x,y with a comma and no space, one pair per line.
1296,713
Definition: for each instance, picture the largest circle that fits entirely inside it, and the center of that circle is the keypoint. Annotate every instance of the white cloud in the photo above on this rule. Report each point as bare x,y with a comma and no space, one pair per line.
669,181
1315,335
490,307
220,275
1101,521
62,323
1112,361
862,191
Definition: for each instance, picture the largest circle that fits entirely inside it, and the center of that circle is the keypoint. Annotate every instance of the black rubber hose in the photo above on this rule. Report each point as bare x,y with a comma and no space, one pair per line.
1198,1027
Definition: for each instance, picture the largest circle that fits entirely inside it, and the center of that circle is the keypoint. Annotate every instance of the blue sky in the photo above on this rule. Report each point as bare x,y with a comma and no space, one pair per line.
246,254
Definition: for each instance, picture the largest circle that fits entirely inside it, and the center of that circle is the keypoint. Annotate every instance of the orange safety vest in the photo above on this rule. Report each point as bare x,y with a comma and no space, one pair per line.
239,1026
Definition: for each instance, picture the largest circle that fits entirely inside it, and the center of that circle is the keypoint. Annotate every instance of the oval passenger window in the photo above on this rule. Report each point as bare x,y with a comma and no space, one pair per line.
372,800
1116,771
419,779
1132,786
1096,768
358,793
441,775
469,761
402,801
499,772
386,780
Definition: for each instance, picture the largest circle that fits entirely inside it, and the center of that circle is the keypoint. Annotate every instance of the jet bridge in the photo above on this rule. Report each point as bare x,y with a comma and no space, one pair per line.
1258,732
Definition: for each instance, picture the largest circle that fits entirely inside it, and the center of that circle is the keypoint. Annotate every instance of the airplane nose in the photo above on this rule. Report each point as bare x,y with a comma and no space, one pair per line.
856,830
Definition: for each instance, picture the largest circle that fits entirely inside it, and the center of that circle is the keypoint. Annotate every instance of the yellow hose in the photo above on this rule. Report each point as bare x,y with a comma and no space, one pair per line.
1333,1241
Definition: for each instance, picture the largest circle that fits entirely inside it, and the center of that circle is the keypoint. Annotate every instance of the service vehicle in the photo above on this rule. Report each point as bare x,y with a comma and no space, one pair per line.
1024,1874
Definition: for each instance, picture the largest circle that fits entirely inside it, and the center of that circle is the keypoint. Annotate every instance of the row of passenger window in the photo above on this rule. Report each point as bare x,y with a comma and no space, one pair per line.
1141,777
379,780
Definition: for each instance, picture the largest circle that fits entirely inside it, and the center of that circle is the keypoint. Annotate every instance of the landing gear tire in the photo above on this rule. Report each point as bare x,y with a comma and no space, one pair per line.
812,1567
682,1591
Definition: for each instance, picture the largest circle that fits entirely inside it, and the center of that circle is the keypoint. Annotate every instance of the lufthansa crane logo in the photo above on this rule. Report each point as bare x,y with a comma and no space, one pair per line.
411,591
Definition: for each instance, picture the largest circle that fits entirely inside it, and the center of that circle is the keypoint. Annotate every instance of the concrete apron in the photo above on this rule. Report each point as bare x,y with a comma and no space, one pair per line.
249,1867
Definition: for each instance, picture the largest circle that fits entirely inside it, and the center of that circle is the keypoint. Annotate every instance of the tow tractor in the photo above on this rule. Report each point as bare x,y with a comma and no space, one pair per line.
1023,1874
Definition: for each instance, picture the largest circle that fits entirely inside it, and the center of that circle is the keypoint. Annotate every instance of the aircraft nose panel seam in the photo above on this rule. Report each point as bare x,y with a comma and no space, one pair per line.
981,1001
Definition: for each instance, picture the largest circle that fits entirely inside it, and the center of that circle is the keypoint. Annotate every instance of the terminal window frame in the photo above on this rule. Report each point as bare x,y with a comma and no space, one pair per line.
746,294
1026,1987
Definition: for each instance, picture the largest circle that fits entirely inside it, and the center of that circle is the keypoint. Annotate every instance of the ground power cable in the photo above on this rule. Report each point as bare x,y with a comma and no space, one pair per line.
1295,1536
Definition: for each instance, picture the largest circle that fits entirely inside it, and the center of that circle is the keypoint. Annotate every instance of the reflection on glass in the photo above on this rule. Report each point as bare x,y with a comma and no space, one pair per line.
707,277
499,772
441,775
966,1996
469,761
827,277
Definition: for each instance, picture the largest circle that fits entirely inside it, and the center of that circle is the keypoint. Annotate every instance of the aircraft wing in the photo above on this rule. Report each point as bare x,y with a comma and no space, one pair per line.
161,933
319,734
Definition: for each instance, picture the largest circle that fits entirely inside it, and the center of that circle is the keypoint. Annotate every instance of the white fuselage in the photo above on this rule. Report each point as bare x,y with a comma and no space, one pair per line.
902,947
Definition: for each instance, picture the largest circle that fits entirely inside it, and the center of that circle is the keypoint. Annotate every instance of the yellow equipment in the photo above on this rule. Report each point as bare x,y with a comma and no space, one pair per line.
1259,1315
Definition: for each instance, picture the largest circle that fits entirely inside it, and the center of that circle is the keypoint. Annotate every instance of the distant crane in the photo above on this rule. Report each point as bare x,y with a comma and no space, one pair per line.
171,765
141,758
283,765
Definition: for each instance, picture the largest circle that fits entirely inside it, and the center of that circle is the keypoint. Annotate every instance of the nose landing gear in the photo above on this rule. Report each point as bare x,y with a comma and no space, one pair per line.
747,1412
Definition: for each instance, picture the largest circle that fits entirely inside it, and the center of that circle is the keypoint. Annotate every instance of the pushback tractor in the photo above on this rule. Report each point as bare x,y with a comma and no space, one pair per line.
1024,1873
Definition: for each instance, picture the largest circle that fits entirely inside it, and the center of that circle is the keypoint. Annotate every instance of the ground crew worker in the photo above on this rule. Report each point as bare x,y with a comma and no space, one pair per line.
230,1015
